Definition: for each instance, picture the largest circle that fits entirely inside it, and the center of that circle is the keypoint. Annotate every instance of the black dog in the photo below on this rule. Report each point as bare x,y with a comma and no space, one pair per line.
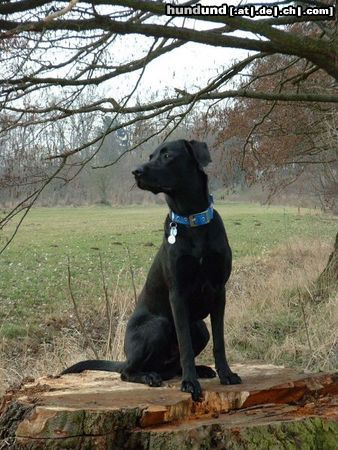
186,281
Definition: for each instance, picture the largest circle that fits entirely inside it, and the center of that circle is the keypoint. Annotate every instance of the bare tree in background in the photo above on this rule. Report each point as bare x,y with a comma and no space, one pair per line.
280,144
54,52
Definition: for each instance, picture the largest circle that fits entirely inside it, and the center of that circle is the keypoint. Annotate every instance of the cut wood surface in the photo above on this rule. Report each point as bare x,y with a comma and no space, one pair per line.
274,408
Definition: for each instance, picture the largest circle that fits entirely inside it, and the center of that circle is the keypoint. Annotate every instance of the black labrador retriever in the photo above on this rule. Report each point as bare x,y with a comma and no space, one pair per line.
186,281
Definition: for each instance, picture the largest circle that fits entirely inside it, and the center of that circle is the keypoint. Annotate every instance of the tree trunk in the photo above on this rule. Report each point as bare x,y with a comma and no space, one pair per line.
329,276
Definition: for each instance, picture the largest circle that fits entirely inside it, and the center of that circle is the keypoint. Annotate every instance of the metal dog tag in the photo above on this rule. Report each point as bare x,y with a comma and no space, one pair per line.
171,239
172,233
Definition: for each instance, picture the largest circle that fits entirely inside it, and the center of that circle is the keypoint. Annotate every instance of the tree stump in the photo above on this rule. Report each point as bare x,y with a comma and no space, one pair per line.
274,408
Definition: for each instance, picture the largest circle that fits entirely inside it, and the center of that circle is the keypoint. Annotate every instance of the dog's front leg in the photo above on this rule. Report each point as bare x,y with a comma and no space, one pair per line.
225,374
181,320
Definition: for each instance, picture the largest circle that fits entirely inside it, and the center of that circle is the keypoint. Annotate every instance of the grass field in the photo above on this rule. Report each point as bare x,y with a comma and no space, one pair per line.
110,243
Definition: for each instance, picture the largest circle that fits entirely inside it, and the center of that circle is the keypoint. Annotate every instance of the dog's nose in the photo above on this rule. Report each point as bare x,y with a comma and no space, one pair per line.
138,172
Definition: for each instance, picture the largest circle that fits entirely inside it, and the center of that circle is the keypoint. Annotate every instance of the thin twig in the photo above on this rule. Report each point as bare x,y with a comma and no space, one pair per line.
105,289
131,273
111,338
305,323
83,330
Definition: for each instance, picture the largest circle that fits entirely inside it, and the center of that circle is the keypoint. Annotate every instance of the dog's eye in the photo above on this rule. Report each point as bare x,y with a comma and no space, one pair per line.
166,155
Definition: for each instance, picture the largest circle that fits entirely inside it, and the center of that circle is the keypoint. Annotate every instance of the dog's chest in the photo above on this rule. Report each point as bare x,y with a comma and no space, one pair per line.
205,285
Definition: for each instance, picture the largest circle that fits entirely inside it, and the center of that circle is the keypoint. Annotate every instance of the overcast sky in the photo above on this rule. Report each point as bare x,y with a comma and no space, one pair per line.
188,67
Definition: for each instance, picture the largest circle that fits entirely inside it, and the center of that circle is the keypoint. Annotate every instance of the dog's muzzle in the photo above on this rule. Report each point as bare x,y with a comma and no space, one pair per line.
138,173
146,181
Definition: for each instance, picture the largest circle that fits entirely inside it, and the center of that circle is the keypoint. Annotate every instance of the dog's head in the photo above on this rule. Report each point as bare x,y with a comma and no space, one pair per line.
171,165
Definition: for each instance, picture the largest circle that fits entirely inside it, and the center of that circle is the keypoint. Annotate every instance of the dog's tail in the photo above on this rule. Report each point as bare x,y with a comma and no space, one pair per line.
95,364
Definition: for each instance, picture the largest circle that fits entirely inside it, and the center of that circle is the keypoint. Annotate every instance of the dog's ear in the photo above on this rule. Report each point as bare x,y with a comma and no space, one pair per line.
200,152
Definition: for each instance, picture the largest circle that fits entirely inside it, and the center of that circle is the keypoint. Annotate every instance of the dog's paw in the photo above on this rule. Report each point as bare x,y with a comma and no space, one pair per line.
194,388
205,372
230,378
153,379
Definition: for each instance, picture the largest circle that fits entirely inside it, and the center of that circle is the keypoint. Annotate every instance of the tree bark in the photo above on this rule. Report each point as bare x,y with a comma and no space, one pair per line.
330,273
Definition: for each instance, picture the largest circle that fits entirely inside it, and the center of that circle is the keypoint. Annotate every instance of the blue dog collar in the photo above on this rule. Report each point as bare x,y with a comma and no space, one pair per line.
195,220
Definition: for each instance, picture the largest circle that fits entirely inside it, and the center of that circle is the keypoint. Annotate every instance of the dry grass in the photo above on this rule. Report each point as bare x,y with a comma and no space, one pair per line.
61,342
272,315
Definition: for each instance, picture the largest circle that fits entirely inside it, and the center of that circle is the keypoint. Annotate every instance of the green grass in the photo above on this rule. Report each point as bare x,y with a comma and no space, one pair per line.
33,269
